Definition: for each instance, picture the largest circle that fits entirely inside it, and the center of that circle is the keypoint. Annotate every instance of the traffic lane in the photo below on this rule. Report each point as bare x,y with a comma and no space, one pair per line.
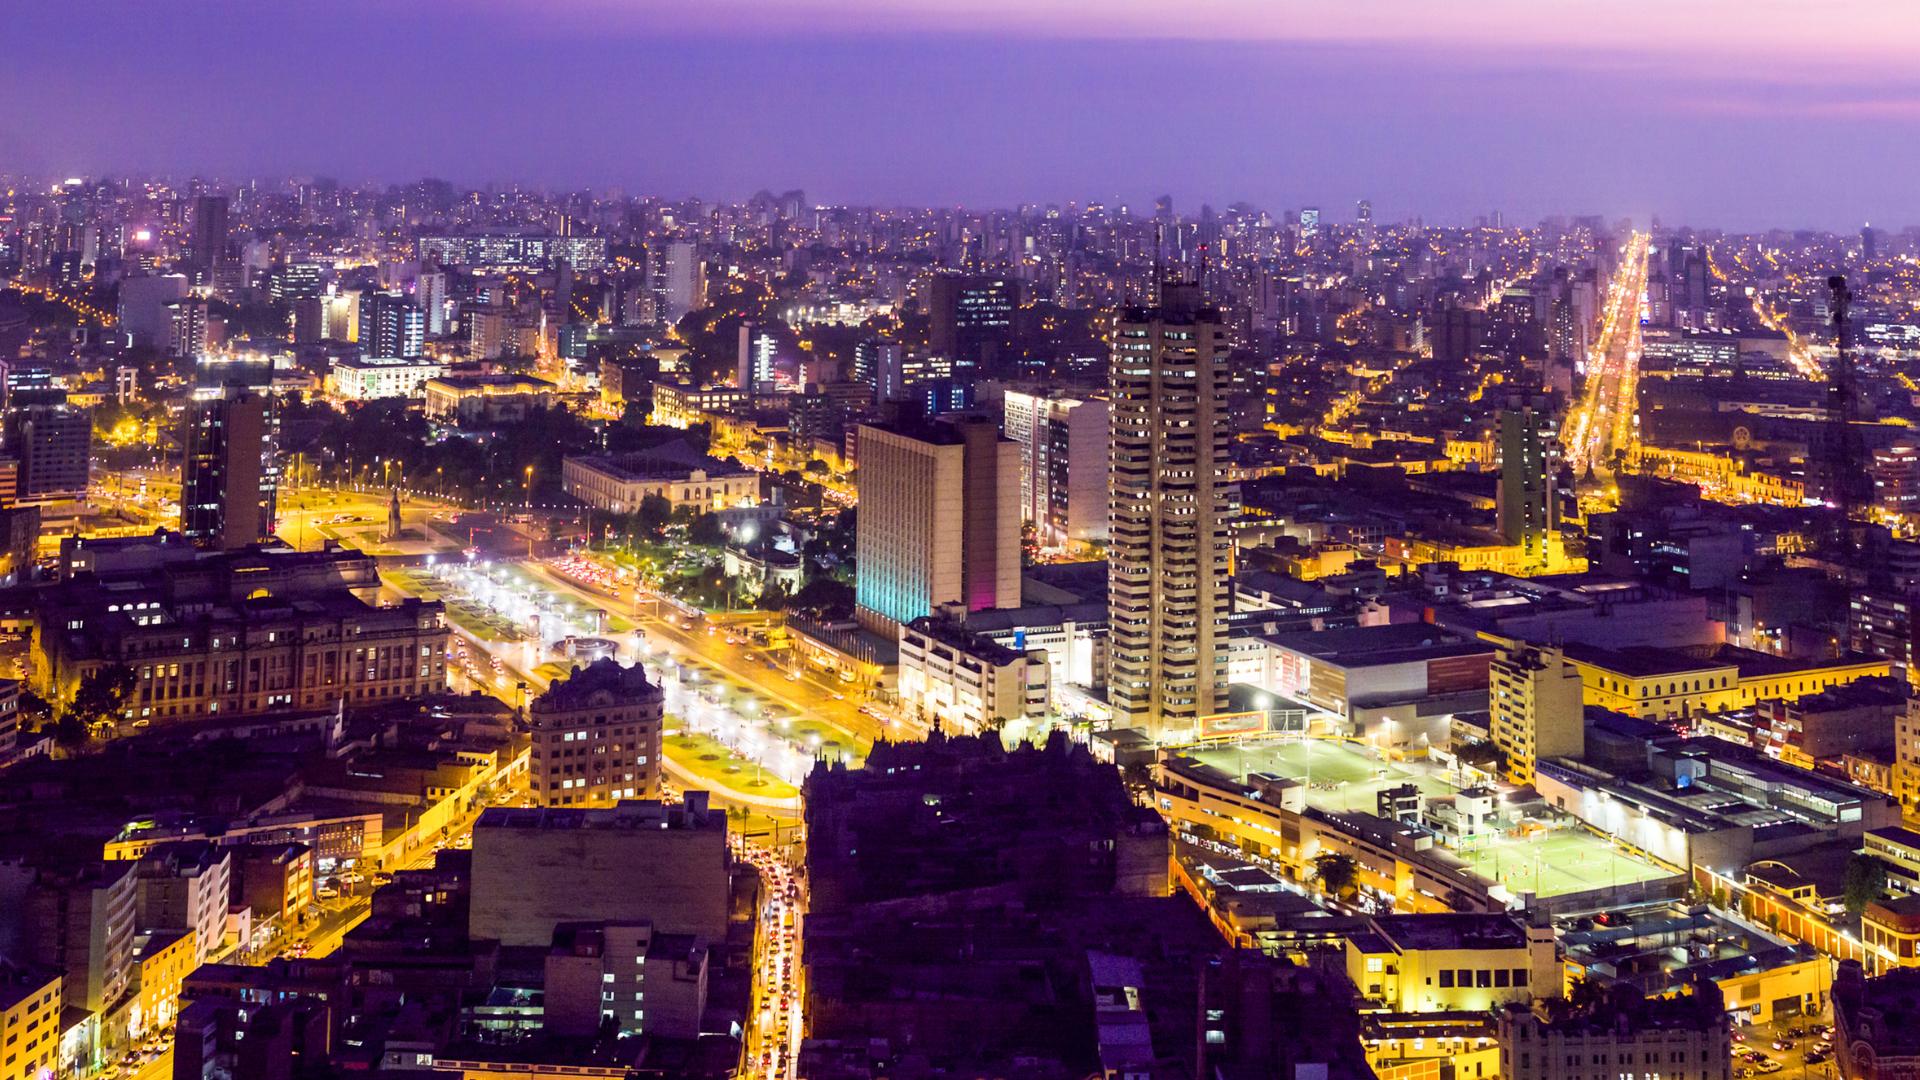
741,666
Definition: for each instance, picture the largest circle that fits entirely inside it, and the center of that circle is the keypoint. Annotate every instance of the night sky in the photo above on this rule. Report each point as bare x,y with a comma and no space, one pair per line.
1711,112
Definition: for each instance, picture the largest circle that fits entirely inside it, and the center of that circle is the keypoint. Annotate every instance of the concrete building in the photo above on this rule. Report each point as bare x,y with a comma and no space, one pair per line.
1534,696
627,975
966,681
681,277
1170,500
1527,504
638,861
1064,447
275,880
1685,1037
30,1006
229,480
597,737
142,307
939,521
53,444
620,483
369,378
489,398
970,316
75,918
186,887
1445,962
245,631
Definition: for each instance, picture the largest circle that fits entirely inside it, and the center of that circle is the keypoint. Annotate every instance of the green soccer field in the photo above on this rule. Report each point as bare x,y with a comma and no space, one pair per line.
1566,860
1341,778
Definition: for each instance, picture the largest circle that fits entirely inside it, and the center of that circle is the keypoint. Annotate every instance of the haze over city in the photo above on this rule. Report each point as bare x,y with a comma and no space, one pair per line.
936,539
1740,115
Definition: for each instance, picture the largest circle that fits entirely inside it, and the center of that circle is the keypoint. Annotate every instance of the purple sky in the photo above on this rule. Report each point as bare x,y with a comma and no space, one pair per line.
1738,113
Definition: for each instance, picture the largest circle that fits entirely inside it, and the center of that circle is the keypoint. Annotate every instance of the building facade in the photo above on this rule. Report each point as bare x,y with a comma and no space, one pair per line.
939,521
966,681
1169,552
1536,701
597,737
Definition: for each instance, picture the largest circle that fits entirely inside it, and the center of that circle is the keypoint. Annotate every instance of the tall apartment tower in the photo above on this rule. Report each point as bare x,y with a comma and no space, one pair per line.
939,521
1168,508
1526,504
1063,464
1537,708
210,232
228,481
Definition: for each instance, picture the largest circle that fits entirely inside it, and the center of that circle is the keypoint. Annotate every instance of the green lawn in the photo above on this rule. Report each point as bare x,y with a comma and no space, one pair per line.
714,762
833,741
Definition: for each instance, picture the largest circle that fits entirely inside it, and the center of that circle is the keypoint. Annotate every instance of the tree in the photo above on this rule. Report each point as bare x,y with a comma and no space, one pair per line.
1337,874
1866,881
652,516
101,697
707,530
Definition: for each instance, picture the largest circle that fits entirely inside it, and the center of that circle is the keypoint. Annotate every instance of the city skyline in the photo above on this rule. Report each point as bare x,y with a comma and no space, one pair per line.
1727,131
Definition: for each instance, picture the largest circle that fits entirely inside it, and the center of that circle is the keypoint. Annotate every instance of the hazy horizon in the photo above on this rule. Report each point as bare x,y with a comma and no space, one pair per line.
1745,122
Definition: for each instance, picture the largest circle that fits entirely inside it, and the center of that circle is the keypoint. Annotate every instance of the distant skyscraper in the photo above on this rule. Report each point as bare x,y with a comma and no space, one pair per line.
189,328
971,316
53,444
939,521
390,326
1363,214
1310,222
228,481
680,281
1527,505
210,232
142,307
754,362
430,293
1170,500
1063,464
1869,242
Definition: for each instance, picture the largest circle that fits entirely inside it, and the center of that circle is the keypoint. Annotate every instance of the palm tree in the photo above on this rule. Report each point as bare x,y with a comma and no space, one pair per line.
1337,874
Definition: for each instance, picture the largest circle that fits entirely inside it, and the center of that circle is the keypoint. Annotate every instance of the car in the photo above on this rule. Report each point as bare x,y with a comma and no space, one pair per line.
1768,1067
1739,1036
1782,1044
1816,1057
327,892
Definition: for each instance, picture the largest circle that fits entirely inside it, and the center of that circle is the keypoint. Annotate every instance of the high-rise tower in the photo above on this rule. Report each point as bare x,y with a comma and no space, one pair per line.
228,481
1169,504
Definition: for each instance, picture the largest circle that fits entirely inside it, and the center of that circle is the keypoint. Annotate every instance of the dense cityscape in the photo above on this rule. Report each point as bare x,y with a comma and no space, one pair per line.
508,631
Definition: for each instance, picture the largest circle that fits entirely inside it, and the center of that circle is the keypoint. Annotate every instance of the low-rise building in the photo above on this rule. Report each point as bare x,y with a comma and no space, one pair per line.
620,483
1452,962
485,398
966,681
1686,1037
368,378
627,976
30,1005
250,631
162,959
1876,1022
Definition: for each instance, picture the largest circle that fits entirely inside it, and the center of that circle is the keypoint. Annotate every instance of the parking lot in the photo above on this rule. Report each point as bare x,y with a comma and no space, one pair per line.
1794,1048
